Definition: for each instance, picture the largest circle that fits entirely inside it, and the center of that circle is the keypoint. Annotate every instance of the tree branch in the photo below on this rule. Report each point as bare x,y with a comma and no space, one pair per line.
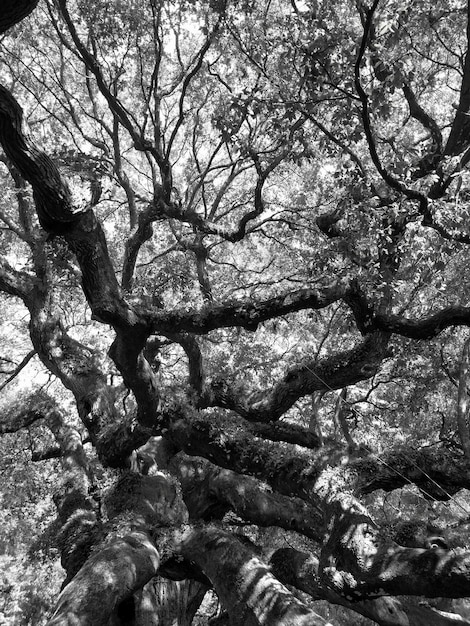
129,559
15,282
336,372
301,570
247,314
242,581
459,136
27,410
424,327
429,162
18,369
57,215
140,143
210,491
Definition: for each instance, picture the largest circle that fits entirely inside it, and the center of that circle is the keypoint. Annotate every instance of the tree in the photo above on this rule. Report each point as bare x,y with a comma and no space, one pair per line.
237,232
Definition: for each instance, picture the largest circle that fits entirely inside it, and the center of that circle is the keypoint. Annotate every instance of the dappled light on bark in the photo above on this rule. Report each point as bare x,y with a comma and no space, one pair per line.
234,242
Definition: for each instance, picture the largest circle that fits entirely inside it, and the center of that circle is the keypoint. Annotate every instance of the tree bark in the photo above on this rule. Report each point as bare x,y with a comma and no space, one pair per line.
301,571
109,577
245,586
462,400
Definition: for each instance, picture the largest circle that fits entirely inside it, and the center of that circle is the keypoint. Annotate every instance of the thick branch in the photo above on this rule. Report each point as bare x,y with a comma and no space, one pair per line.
301,571
288,432
76,509
129,558
210,491
57,214
86,239
108,577
77,366
424,327
243,582
15,282
247,314
438,470
335,372
228,444
195,361
127,353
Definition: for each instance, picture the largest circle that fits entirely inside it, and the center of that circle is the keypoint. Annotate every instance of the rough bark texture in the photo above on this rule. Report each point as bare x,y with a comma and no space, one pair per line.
243,583
108,577
219,439
210,491
301,571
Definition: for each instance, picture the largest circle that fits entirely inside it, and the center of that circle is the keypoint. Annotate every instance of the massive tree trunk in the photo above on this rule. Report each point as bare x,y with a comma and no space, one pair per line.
184,459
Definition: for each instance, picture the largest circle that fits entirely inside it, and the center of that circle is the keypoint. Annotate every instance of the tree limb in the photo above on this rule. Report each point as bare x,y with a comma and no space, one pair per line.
459,136
243,582
209,491
246,314
108,577
336,372
15,282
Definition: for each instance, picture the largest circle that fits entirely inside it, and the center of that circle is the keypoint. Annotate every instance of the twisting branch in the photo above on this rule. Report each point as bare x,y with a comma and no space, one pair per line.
247,314
424,327
267,601
15,282
58,215
340,370
84,235
417,111
302,571
210,491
